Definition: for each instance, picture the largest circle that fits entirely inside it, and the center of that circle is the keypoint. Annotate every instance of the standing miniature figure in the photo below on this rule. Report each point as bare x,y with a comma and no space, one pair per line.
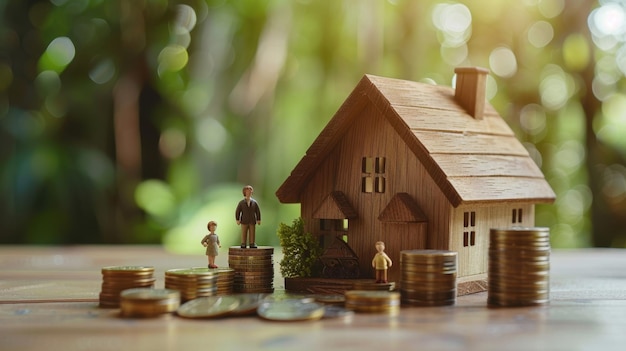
212,242
381,262
248,215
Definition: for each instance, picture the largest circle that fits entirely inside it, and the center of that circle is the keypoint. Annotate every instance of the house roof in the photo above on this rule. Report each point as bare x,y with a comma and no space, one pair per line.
335,206
471,160
402,208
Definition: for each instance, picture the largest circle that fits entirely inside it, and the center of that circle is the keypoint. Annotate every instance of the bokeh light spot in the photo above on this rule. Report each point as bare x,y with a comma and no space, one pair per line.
211,134
533,119
58,55
172,58
172,143
155,197
102,72
576,53
540,34
502,62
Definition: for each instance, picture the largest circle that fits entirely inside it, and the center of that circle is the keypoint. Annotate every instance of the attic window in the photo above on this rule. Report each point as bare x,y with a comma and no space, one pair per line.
373,174
469,230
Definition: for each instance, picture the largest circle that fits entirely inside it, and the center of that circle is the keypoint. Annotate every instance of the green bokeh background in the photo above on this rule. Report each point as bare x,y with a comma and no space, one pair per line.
138,121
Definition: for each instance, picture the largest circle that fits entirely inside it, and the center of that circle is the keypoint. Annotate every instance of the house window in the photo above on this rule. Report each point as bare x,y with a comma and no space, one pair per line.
469,232
516,216
373,174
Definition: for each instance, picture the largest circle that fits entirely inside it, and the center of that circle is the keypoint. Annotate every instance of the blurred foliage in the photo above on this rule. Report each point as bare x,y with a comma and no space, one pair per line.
137,121
301,251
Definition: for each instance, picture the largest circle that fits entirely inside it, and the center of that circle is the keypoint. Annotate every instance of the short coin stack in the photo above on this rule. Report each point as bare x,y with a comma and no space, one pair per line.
192,282
225,280
519,267
254,269
115,279
428,277
373,301
146,302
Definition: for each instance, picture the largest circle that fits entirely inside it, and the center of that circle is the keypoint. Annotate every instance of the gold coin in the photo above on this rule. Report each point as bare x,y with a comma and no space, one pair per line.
335,299
128,270
290,310
259,251
427,303
372,285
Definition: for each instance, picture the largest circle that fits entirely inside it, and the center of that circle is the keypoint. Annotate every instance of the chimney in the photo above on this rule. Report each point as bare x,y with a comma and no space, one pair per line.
470,89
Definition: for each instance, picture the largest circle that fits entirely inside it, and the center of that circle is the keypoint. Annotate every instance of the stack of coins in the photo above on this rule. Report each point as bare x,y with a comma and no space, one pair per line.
428,277
225,280
519,267
146,302
371,285
254,269
115,279
373,301
192,282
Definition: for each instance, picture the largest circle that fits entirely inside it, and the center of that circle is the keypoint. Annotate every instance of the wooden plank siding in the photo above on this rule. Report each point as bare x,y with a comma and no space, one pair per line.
446,161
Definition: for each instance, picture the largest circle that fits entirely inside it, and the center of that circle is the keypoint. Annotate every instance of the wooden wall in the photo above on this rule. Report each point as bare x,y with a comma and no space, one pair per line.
372,136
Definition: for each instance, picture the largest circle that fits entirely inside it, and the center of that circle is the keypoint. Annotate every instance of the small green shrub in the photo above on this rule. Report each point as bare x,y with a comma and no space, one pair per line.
301,250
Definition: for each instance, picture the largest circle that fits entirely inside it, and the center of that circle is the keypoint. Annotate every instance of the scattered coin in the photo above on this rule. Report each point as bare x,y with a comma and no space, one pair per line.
147,302
248,303
332,311
290,310
209,307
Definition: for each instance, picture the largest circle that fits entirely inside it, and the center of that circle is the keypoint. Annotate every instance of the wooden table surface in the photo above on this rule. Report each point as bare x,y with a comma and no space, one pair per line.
49,301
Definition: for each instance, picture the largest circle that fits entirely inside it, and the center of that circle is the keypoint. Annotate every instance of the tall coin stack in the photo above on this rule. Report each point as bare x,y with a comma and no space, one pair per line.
428,277
519,267
372,301
115,279
254,269
192,282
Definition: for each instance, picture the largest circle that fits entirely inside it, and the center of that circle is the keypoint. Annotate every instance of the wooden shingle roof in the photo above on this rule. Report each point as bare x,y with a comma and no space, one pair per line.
471,160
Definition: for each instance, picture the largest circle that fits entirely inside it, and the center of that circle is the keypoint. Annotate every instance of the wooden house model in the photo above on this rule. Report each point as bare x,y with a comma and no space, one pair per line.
417,166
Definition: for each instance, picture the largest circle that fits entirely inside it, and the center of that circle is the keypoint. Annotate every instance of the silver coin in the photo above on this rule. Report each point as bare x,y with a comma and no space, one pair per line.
290,310
208,307
333,311
248,303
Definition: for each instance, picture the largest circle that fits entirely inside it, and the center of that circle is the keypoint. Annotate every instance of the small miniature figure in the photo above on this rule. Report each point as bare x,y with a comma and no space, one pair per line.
212,242
381,262
248,215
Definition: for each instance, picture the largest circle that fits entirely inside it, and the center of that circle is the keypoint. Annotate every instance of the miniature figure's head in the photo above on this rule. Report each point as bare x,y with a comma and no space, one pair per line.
211,224
247,189
380,246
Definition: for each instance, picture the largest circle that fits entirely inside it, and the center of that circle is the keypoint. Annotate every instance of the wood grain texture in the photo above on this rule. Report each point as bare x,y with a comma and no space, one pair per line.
440,162
587,311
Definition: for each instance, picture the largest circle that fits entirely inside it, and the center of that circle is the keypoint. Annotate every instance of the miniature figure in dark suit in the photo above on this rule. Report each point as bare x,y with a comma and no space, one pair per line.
212,242
381,262
248,215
